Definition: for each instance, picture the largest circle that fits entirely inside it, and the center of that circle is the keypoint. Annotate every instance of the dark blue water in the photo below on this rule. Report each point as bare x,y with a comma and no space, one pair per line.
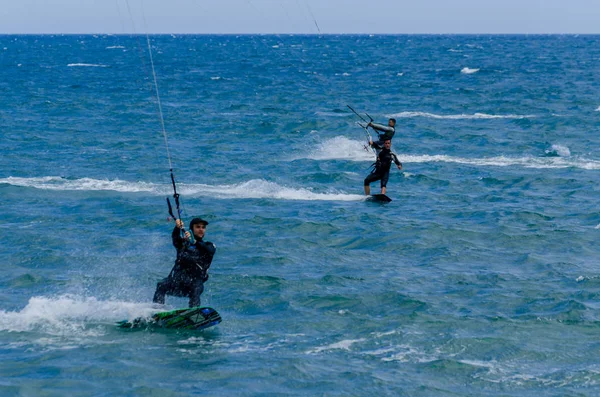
479,278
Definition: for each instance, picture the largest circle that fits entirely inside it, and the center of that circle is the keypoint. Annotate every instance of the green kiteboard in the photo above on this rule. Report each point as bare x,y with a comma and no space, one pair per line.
193,318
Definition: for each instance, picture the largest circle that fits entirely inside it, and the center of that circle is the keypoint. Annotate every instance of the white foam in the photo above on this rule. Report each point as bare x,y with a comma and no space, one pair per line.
382,351
407,353
560,150
343,345
259,188
342,148
598,110
69,315
331,114
88,184
503,161
92,65
387,333
255,188
469,70
474,116
492,365
114,47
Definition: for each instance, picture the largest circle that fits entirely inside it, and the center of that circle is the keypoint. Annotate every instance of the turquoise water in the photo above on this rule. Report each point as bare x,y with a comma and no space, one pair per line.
479,278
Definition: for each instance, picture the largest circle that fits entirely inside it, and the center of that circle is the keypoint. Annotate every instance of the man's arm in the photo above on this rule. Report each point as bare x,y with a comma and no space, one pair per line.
375,145
386,129
177,239
395,160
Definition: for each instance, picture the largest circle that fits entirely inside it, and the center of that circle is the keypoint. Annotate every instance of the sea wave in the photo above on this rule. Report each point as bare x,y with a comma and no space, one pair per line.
341,148
260,188
558,150
343,345
331,114
463,116
504,161
86,184
70,315
255,188
469,70
91,65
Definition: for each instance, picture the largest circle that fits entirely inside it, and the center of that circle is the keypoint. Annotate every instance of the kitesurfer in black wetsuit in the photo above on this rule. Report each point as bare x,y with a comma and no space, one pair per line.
190,272
382,166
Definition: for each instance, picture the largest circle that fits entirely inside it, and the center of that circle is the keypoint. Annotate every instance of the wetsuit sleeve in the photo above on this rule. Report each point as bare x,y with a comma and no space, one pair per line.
382,128
376,145
383,131
177,239
395,159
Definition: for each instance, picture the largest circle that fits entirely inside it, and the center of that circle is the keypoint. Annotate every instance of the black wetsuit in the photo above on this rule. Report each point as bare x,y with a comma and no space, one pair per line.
190,271
382,167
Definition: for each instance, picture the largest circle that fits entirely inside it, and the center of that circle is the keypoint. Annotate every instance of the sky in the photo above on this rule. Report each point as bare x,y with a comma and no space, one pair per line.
300,16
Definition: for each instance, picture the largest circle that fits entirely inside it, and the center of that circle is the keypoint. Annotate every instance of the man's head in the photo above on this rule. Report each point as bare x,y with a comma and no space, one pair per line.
392,122
387,143
198,227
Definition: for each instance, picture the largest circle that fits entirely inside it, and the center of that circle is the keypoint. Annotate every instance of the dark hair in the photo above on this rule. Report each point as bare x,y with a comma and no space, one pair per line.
394,120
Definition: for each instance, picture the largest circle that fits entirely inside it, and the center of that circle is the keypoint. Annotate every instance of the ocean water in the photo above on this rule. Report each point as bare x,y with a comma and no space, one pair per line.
480,278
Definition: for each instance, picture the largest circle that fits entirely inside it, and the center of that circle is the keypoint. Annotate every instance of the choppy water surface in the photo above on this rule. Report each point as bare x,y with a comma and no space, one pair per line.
480,278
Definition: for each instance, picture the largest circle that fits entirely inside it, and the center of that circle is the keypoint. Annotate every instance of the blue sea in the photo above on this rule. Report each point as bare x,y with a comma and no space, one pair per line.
480,278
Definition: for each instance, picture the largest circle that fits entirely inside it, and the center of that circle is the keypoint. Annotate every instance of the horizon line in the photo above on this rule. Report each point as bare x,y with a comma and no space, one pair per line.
303,33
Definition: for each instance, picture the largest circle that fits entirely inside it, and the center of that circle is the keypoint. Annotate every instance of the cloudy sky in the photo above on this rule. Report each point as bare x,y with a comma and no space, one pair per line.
300,16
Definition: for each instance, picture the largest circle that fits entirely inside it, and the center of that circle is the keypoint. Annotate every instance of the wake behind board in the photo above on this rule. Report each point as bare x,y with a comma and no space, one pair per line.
379,198
193,318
